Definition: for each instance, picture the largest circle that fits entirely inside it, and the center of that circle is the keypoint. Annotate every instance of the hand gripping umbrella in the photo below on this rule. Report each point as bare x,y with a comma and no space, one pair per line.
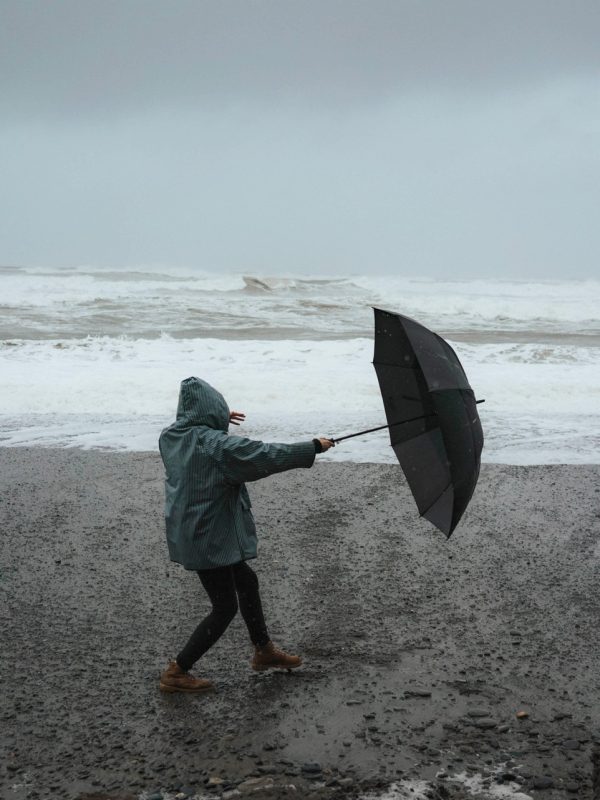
432,417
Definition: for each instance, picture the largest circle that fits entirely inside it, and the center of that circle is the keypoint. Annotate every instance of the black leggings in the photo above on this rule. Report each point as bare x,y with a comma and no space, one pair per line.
225,587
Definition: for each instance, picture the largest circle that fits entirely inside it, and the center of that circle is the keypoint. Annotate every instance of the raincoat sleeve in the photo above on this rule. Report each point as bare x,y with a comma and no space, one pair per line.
248,460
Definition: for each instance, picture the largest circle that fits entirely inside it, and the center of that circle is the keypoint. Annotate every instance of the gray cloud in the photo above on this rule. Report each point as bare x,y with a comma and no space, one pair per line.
85,56
423,137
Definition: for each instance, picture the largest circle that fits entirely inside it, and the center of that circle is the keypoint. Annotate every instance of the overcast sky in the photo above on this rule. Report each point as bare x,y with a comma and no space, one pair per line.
439,138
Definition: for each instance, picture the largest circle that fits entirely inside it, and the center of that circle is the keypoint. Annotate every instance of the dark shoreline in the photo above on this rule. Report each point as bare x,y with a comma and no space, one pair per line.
418,652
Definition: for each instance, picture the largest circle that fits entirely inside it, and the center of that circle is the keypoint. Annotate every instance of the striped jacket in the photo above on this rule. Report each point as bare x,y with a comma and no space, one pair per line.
207,508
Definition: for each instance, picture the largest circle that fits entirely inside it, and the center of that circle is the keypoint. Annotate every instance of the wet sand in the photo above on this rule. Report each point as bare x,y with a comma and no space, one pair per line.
418,652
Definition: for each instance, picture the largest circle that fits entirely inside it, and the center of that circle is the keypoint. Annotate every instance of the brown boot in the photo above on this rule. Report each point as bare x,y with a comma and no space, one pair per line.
174,679
269,657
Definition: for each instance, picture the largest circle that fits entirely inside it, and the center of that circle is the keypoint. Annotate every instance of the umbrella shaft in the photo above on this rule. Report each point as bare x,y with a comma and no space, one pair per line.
382,427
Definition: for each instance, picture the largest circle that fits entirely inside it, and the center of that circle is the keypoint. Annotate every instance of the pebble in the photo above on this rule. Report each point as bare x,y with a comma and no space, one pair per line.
485,723
543,782
267,769
311,768
254,784
570,744
572,787
450,726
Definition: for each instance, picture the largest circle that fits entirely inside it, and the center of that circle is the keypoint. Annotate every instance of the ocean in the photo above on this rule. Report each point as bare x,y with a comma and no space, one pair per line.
93,357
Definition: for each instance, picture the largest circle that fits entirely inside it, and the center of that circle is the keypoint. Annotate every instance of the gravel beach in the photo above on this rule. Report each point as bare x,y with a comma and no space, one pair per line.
470,664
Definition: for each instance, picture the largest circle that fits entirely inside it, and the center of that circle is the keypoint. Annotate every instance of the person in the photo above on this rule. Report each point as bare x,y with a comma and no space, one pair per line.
209,524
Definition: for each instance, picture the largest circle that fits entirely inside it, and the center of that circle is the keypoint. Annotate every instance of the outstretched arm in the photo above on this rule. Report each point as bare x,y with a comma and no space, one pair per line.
249,460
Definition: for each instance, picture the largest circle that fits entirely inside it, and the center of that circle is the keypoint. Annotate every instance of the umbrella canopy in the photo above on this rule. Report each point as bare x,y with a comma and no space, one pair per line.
439,448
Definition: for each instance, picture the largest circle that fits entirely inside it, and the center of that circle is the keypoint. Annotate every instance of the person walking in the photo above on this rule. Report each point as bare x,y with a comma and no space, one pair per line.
209,524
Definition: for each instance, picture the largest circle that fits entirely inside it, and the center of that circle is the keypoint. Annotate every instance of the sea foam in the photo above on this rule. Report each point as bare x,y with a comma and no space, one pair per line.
541,401
93,357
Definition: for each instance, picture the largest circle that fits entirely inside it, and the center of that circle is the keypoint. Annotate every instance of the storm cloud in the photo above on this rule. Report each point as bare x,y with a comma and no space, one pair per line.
432,138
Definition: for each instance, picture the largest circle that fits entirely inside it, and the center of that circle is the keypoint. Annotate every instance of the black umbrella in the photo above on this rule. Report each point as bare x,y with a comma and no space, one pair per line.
432,416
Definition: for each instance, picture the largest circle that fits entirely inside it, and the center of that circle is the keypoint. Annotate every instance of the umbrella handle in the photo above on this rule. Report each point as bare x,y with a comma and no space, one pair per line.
382,427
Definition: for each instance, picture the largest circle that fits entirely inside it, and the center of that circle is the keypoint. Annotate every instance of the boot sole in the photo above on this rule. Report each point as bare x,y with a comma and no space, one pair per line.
172,689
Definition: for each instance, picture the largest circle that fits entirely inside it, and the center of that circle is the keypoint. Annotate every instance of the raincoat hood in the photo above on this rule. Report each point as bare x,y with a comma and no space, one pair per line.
200,404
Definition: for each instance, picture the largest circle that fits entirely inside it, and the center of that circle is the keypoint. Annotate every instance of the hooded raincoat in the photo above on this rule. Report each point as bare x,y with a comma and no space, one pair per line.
207,508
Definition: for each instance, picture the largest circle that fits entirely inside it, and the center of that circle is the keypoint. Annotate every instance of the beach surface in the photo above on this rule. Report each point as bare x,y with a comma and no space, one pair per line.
419,652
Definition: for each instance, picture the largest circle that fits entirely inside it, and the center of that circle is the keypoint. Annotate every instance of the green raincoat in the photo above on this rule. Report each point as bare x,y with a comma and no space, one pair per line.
207,508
